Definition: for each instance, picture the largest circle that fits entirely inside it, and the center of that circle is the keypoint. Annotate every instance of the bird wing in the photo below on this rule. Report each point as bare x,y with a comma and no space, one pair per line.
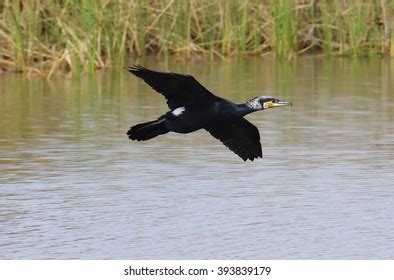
239,135
178,89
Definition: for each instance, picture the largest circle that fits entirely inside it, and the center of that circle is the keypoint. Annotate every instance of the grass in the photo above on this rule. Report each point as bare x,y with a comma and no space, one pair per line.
43,36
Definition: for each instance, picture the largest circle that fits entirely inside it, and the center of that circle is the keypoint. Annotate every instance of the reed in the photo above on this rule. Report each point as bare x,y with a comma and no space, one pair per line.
43,36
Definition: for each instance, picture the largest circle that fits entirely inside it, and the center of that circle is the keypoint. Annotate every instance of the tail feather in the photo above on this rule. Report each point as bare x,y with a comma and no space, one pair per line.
148,130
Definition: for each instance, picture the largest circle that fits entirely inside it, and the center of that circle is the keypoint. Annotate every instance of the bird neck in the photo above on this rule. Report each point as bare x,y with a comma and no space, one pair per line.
246,108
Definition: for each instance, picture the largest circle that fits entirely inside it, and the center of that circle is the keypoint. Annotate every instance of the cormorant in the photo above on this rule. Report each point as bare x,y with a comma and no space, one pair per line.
194,107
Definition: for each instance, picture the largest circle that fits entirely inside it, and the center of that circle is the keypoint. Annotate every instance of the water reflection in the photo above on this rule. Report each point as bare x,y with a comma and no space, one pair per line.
73,186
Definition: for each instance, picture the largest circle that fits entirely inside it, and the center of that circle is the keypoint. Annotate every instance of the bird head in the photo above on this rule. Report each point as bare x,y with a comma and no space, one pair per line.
266,102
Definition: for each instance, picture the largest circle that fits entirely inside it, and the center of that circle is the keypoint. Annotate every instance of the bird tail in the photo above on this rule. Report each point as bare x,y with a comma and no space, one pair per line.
148,130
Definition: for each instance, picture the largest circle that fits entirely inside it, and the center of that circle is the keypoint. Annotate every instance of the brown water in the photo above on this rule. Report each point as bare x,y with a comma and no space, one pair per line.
73,186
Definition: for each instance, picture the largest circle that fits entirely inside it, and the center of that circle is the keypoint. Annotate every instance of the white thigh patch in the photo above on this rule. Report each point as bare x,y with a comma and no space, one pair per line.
178,111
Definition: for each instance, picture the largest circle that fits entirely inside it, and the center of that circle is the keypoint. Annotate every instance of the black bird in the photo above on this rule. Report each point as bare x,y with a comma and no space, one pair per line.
194,107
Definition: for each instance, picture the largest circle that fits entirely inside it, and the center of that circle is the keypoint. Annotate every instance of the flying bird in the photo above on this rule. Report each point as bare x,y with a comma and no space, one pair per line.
193,107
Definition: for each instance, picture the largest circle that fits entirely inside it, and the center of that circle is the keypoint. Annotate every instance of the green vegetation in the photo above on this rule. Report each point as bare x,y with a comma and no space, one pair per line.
41,36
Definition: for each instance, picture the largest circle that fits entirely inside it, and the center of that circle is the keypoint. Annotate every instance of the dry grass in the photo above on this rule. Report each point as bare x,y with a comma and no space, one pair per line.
42,36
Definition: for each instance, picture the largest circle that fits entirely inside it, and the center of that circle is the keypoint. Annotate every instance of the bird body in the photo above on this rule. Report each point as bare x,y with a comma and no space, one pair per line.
190,118
193,107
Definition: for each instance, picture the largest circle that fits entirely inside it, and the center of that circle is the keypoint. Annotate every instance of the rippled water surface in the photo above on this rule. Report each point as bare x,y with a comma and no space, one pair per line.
72,186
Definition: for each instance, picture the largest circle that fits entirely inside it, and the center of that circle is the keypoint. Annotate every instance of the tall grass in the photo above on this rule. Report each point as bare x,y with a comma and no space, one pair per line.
42,36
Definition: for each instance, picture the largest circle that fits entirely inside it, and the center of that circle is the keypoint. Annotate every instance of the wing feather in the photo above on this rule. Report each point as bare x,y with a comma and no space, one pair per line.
239,135
179,90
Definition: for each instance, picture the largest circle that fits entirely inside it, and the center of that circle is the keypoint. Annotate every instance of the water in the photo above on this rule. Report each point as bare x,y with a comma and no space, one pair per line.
73,186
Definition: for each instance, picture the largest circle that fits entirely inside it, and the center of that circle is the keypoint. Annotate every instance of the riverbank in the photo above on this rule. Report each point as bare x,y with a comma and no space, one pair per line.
40,37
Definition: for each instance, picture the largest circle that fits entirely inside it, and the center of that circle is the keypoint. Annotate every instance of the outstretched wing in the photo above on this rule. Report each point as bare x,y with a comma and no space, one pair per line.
178,89
239,135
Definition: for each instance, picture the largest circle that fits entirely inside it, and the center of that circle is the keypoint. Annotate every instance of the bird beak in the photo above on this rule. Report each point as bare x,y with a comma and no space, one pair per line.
273,104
